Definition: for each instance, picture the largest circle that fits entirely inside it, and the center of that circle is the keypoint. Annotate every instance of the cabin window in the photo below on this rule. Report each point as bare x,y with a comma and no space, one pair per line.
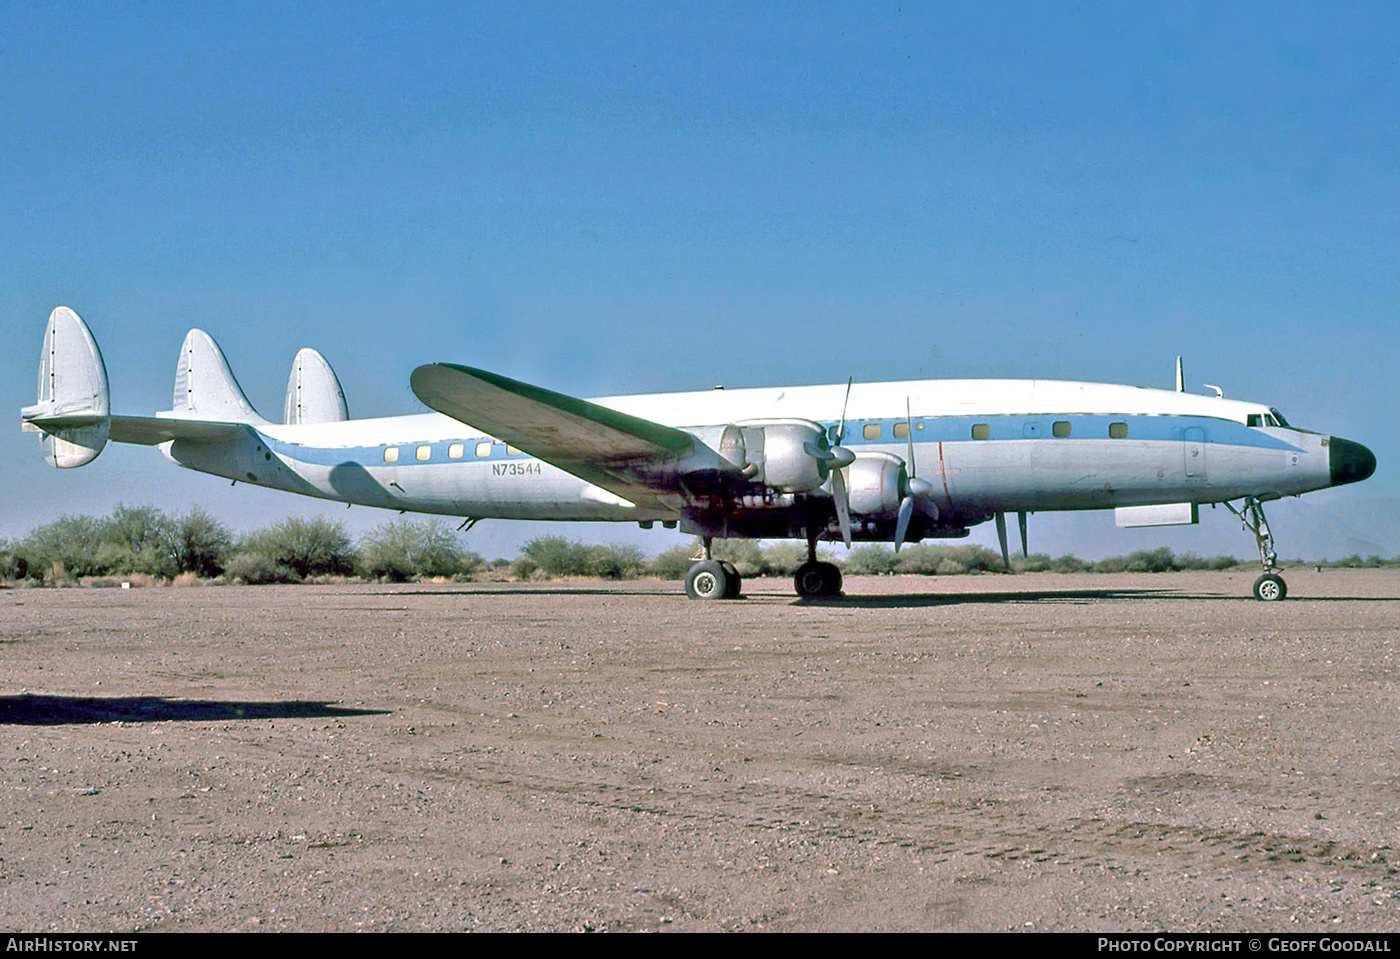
871,431
483,449
981,431
512,451
454,452
1118,431
1060,428
391,454
423,452
901,431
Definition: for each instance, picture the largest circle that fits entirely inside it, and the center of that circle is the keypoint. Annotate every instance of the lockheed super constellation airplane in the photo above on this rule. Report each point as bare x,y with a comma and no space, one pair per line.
887,462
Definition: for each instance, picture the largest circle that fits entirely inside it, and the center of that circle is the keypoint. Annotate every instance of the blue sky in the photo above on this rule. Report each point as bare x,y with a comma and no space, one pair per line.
635,197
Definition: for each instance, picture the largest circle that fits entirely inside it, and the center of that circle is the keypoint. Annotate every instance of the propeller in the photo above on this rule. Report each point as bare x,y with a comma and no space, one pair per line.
914,488
834,458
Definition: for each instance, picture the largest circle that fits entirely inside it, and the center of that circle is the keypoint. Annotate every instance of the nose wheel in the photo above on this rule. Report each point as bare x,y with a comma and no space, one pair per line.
1269,587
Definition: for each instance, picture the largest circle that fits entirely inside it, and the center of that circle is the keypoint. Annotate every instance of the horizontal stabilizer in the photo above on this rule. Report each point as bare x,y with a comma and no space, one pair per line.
73,406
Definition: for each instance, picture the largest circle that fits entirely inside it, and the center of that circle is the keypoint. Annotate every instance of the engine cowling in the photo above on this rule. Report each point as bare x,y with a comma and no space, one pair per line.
777,453
875,482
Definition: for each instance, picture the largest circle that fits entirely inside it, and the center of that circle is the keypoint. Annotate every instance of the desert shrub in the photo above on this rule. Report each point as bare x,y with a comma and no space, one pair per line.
557,556
523,568
747,556
871,560
782,559
402,549
618,561
1034,563
65,548
673,563
1069,563
198,543
256,569
308,547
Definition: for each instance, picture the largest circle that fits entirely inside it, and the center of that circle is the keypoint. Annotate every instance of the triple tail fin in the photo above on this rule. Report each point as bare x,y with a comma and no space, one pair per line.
314,394
205,388
74,408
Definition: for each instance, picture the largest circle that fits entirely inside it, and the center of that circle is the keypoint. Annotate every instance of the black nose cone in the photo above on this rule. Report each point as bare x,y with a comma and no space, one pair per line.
1350,462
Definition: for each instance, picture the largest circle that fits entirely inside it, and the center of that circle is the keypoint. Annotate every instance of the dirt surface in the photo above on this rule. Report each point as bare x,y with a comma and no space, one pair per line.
1038,752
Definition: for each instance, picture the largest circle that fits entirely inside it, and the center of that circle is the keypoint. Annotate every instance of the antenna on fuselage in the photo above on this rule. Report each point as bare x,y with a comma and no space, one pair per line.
1180,377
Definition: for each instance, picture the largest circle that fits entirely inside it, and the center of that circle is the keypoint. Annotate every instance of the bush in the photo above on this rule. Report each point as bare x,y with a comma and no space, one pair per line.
256,569
199,543
308,547
674,563
402,549
872,560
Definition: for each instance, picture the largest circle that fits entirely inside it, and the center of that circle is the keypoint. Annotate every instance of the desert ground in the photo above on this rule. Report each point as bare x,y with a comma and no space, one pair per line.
1035,752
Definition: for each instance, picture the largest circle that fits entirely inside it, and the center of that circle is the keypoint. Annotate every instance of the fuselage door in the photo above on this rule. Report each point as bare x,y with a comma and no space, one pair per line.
1194,452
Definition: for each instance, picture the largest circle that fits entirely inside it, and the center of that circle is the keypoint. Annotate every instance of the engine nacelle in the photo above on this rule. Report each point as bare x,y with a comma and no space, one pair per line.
874,483
774,453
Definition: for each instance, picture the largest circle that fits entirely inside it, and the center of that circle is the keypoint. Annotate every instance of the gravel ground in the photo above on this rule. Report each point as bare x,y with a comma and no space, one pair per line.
1037,752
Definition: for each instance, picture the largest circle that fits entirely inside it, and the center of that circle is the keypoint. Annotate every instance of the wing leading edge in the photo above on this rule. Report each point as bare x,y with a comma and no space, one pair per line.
613,450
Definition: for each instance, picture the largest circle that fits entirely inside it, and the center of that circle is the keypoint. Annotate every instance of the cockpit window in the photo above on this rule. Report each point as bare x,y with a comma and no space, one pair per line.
1255,419
1279,416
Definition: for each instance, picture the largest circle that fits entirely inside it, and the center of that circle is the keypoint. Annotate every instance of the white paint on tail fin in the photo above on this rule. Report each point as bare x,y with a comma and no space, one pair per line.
314,394
205,387
73,409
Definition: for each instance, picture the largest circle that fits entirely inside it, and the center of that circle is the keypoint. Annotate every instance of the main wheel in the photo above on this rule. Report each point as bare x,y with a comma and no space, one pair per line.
736,582
813,580
707,580
1270,588
810,580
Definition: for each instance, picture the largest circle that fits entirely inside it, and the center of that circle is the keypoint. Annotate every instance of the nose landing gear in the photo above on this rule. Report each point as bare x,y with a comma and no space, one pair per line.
1270,586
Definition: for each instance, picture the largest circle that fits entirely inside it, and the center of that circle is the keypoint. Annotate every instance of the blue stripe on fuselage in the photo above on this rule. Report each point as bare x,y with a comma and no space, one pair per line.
927,429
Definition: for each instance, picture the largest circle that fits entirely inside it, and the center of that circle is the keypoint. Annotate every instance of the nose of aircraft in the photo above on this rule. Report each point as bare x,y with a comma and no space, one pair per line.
1349,462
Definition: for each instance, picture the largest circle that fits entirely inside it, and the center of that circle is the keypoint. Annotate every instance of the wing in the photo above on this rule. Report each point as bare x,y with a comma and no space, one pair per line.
618,452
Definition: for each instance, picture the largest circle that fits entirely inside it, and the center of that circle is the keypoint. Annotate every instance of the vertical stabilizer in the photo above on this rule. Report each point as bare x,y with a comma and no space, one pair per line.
73,411
313,392
205,387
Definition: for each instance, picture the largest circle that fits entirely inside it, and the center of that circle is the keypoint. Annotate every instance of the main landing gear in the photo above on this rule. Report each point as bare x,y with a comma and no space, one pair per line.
815,579
1269,587
713,578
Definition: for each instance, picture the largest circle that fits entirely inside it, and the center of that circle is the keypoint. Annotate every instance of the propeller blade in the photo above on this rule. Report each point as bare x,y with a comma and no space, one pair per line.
1021,518
906,513
843,505
841,430
909,428
1001,537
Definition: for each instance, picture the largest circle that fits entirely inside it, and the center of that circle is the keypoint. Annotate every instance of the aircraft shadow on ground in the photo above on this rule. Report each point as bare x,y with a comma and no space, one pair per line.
892,600
29,710
885,601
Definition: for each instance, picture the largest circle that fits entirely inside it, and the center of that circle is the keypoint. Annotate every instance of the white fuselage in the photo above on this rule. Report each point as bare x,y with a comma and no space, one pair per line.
987,446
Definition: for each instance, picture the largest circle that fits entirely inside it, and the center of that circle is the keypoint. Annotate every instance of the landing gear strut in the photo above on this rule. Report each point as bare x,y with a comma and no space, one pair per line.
1269,587
815,579
713,578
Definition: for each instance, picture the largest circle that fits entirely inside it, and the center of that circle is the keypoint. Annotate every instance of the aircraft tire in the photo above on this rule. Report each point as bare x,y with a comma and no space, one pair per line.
815,580
832,572
707,580
1270,588
736,582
